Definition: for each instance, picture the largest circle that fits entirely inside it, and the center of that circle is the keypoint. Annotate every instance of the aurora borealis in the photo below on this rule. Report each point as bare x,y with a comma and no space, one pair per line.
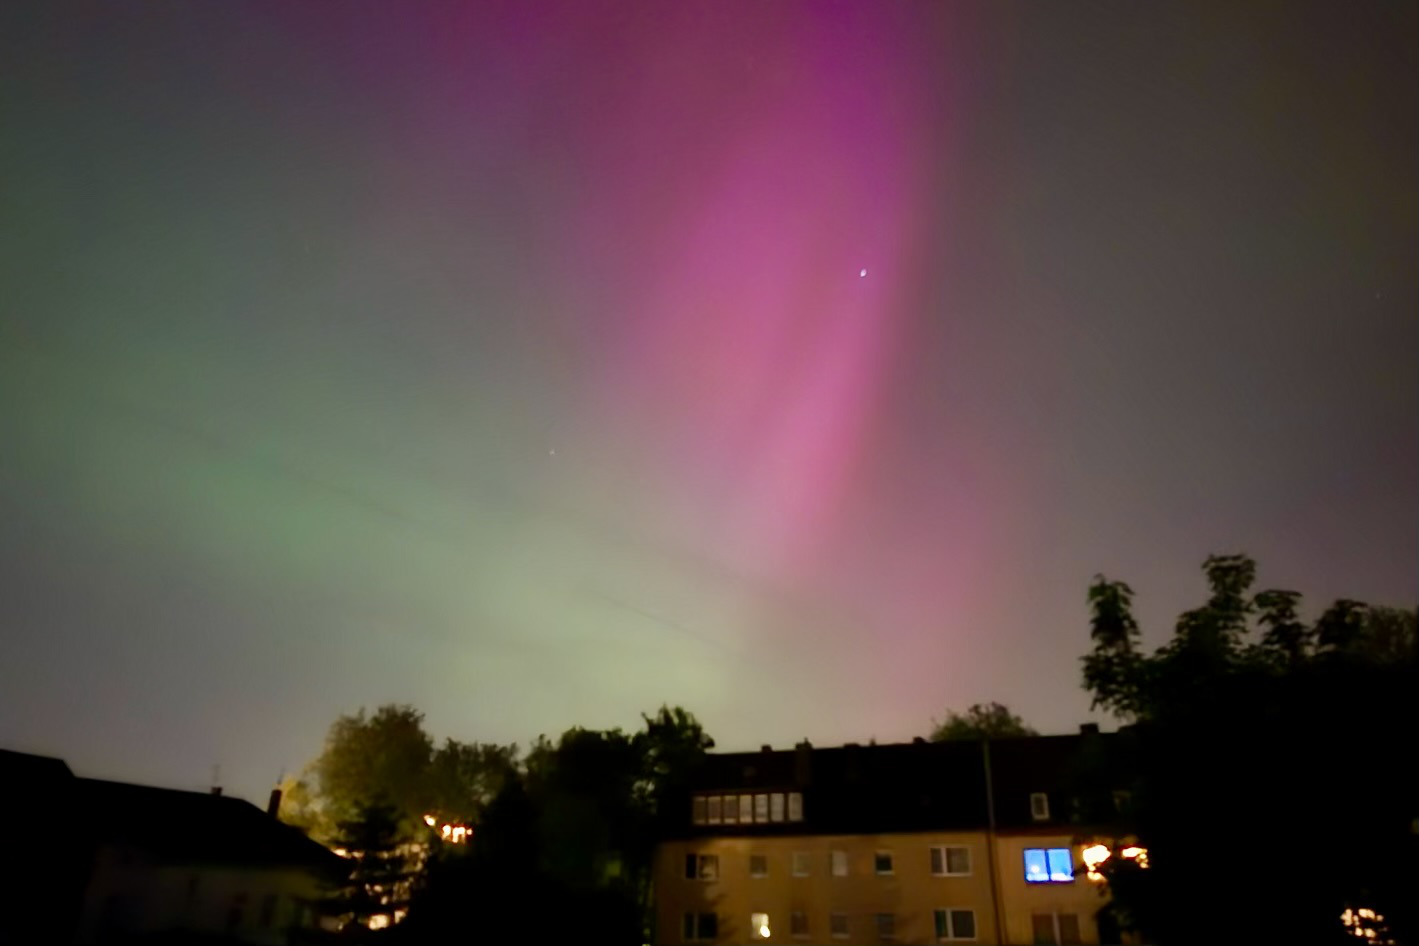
798,363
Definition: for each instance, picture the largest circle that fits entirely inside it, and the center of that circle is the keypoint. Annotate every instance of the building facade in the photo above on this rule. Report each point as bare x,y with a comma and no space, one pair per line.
914,843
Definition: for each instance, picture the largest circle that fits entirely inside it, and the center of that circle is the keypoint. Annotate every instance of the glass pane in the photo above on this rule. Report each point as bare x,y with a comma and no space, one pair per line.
1068,929
938,862
761,808
1036,866
798,923
801,862
795,806
1043,924
883,862
698,815
759,925
886,924
941,924
1061,865
713,817
731,809
709,867
746,809
840,863
963,924
758,865
837,924
958,860
776,809
709,925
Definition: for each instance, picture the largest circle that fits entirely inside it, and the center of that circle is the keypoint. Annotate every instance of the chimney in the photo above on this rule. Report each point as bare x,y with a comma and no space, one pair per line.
766,748
216,789
273,805
1088,729
918,741
803,763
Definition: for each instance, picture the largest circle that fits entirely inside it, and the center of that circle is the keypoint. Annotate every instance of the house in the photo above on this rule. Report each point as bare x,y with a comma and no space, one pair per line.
132,863
980,842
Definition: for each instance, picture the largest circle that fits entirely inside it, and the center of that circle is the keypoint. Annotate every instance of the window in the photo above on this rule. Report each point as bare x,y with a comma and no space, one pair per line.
758,865
837,924
1039,806
955,924
714,810
759,926
798,923
886,925
776,806
702,867
882,862
699,926
731,809
795,806
1053,865
761,808
746,809
1056,929
951,860
839,861
698,813
802,863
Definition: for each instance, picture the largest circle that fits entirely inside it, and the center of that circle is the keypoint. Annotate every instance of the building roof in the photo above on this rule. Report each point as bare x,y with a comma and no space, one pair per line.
194,827
163,824
917,786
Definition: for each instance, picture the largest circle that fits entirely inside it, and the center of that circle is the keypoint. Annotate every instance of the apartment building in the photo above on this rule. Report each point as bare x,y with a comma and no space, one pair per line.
908,843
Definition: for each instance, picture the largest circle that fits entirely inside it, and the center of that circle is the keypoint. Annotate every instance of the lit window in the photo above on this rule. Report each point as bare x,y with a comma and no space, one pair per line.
731,809
1039,806
955,924
761,808
1052,865
701,867
700,926
759,925
839,860
698,815
837,925
951,860
713,816
758,865
798,923
795,806
886,925
746,809
776,806
802,863
882,862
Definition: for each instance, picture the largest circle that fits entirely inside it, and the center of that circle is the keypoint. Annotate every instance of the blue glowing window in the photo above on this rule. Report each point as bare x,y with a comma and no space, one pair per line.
1054,865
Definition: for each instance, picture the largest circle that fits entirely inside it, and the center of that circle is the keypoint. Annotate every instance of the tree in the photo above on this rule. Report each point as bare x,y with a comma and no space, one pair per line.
383,870
1268,759
981,721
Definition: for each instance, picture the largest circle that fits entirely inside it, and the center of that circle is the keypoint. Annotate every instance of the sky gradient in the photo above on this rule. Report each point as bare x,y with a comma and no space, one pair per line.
537,364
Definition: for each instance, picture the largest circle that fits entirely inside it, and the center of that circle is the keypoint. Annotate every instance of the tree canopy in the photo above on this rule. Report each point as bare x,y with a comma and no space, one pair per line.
1270,760
980,721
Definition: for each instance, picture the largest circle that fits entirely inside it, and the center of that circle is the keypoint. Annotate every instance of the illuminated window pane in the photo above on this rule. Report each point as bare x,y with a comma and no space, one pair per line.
1061,865
801,862
746,809
776,806
714,810
731,809
698,815
795,806
759,926
839,863
1036,866
761,808
708,867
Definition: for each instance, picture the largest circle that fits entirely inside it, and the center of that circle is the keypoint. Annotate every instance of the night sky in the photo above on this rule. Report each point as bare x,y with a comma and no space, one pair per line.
537,364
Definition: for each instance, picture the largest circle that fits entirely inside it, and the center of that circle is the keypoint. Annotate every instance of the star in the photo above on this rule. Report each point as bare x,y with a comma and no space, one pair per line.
861,273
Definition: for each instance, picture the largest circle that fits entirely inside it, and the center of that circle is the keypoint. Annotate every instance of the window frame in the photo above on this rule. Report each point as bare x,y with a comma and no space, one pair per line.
877,857
890,922
778,810
1049,864
945,855
802,864
794,916
696,861
795,806
755,924
948,918
763,860
714,807
1039,806
761,808
835,856
833,918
